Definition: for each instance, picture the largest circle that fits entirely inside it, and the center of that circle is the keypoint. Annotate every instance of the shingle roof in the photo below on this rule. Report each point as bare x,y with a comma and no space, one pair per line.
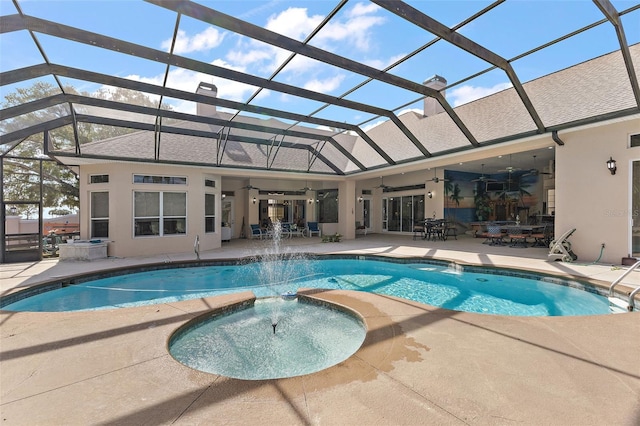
588,89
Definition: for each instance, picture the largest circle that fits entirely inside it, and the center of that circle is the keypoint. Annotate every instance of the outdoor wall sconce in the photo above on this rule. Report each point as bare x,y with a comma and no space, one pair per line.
611,165
310,201
430,194
360,199
224,196
254,200
13,210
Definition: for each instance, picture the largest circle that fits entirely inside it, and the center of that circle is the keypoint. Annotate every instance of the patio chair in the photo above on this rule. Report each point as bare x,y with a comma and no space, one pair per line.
361,228
451,230
541,237
418,228
285,230
494,234
256,231
313,228
518,237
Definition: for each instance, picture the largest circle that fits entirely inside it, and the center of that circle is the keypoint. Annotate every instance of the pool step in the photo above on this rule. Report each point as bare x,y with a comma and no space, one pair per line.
617,305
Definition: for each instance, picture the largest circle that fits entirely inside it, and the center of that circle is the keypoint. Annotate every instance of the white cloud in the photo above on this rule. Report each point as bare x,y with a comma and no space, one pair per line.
371,125
188,81
326,85
466,94
383,64
363,9
208,39
416,110
294,23
356,29
242,57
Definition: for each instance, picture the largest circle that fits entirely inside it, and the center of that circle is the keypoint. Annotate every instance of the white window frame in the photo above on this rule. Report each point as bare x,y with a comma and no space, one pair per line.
93,219
161,217
210,216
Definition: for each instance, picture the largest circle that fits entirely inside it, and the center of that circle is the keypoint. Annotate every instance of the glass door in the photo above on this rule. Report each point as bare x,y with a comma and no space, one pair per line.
366,208
228,221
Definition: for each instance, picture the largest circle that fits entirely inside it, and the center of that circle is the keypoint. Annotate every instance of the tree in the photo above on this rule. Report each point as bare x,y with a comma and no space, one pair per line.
22,163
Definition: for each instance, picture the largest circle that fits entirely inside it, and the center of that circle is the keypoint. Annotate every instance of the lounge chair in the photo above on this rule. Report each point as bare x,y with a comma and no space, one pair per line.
312,228
560,249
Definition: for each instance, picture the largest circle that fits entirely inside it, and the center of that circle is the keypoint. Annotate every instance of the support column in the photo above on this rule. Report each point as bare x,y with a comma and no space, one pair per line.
347,209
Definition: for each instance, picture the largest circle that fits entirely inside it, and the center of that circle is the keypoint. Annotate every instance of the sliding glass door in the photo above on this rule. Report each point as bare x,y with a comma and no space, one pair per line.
401,213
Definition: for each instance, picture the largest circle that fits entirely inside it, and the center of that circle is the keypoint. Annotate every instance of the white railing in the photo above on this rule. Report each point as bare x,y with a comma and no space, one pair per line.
196,246
619,280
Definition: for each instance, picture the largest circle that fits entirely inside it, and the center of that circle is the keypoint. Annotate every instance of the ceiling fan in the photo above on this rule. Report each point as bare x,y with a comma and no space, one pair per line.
535,171
306,187
249,187
382,185
509,168
435,178
483,178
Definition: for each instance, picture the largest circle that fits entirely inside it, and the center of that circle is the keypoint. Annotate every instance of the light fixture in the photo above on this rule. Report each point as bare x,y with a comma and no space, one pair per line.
360,199
611,165
430,194
224,196
310,201
254,200
13,210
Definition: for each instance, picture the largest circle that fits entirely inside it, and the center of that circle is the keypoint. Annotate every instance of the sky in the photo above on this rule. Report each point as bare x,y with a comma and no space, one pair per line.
360,31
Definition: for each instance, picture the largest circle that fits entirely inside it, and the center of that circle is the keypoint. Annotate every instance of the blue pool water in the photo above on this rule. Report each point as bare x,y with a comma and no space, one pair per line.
432,284
309,338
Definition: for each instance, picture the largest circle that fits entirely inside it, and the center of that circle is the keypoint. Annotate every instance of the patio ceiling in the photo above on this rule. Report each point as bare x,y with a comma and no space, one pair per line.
325,133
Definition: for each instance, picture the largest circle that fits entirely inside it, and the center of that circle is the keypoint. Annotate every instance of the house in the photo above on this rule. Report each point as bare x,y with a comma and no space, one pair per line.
147,204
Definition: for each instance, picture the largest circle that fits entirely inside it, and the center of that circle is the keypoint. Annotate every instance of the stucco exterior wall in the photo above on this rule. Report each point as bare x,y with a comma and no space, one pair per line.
122,242
588,197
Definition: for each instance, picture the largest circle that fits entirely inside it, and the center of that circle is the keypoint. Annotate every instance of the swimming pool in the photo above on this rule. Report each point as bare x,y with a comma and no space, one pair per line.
480,290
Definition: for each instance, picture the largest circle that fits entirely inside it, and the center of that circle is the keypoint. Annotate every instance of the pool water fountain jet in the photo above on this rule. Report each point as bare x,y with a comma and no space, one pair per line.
310,338
278,272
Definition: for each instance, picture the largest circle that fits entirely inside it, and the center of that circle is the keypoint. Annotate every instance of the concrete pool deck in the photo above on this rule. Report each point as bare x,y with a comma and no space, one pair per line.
418,365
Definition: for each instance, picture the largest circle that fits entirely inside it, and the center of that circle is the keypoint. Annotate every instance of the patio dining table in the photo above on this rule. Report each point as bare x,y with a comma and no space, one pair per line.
524,228
524,231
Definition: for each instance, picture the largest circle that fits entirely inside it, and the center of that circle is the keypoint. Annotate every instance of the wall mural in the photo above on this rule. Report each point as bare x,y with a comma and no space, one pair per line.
472,197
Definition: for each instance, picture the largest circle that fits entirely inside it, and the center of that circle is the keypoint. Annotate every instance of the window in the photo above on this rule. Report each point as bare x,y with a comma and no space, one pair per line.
99,179
635,141
209,213
210,183
328,206
159,213
165,180
99,214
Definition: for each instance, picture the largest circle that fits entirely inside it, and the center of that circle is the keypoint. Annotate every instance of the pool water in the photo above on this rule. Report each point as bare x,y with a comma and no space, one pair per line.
241,345
432,284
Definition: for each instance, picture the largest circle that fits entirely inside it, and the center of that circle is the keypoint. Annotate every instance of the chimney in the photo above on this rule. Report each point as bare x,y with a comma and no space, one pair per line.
431,105
207,89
